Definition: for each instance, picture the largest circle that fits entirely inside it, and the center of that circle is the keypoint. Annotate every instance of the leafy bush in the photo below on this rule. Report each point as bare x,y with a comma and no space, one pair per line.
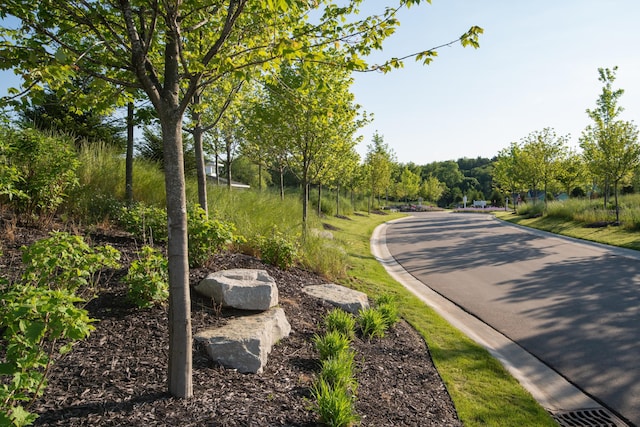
147,223
331,344
334,405
279,250
41,312
340,321
34,319
66,261
208,236
47,168
372,323
9,175
148,278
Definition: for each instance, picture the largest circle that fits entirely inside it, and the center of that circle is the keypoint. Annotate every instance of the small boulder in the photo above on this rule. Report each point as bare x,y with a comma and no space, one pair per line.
347,299
245,342
244,289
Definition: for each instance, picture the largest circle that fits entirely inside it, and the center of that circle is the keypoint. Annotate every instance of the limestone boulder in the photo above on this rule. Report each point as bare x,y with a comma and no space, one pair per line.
347,299
244,289
245,342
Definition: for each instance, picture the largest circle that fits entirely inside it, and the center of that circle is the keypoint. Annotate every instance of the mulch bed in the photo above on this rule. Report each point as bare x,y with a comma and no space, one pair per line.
117,377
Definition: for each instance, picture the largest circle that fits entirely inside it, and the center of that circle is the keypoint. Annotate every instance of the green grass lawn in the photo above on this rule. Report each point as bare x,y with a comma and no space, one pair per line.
483,392
609,235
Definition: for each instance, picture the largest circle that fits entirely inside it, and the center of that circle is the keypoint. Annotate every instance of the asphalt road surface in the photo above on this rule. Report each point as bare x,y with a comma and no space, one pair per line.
574,305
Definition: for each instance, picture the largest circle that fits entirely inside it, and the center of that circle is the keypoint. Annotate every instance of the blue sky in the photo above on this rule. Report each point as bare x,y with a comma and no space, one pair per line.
537,67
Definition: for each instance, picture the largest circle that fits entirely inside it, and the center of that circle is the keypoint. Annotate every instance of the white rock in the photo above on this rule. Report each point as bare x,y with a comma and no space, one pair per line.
244,289
347,299
245,342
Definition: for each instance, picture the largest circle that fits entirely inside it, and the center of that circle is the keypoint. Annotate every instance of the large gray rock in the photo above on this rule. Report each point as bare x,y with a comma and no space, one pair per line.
245,342
244,289
347,299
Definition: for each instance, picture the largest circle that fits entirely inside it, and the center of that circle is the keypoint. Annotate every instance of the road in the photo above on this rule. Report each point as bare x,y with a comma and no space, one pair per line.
573,305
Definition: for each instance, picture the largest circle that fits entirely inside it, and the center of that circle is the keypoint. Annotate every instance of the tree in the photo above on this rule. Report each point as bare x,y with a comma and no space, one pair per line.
571,171
507,174
610,146
170,50
540,158
432,189
378,162
409,185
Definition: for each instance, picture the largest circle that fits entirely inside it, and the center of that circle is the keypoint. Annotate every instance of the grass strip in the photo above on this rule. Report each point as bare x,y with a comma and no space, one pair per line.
483,392
609,235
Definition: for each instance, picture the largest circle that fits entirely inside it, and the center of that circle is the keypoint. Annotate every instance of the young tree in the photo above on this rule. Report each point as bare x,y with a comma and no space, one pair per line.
432,189
610,146
378,162
170,50
507,174
409,185
540,158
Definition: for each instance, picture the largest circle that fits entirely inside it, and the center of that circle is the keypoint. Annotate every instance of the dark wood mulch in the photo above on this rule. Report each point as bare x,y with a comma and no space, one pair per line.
117,377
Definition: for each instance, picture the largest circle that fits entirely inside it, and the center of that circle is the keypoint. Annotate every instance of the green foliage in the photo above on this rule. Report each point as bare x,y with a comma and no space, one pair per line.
337,371
278,249
39,316
9,175
147,223
334,405
531,210
340,321
148,278
34,319
46,165
331,344
66,261
387,305
372,323
208,236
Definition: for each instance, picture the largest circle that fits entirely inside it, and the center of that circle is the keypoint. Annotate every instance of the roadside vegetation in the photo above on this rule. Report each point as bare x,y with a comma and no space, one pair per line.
482,391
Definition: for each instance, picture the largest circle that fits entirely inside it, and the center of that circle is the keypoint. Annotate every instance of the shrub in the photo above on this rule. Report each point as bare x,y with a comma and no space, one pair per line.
34,319
334,405
66,261
47,168
331,344
145,222
372,323
148,278
340,321
208,236
278,250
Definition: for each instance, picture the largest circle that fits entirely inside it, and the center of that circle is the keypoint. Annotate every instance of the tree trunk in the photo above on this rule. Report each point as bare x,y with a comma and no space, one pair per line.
281,183
338,200
216,168
180,351
615,195
228,161
129,156
319,199
199,152
260,176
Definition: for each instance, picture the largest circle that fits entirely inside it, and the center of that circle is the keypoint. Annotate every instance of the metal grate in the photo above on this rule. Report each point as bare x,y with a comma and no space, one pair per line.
597,417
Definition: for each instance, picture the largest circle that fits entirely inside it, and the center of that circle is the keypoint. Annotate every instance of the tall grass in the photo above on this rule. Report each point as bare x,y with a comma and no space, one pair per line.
254,213
588,211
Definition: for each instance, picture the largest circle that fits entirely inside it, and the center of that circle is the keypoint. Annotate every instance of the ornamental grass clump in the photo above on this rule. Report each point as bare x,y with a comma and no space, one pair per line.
331,344
388,307
372,323
334,405
340,321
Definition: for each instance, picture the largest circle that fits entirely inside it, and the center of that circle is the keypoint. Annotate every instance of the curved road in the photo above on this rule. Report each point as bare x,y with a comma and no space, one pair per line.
574,305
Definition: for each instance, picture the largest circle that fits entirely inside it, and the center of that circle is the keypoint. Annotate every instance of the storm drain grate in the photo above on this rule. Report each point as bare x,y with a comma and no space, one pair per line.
597,417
